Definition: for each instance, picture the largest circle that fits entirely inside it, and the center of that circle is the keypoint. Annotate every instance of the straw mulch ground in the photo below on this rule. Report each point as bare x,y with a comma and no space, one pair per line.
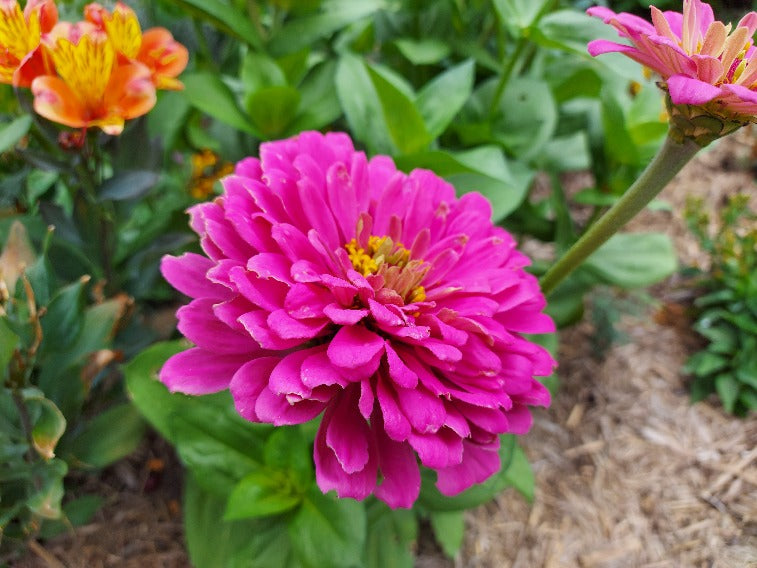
628,473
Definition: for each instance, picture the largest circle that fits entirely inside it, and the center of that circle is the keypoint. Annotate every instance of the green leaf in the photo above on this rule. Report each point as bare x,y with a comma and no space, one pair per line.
519,473
38,182
48,427
260,71
272,109
14,131
433,500
443,97
261,494
424,51
76,513
569,30
704,363
168,118
403,120
225,17
334,15
127,185
8,343
108,437
728,390
210,94
361,105
449,529
483,169
46,500
391,534
288,449
327,531
214,543
518,15
319,105
632,260
619,145
64,318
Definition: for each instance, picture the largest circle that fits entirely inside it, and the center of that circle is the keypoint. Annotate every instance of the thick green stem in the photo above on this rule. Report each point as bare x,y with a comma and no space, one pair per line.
671,157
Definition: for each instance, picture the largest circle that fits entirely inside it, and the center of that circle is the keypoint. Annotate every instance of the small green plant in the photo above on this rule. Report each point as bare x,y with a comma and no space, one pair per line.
727,312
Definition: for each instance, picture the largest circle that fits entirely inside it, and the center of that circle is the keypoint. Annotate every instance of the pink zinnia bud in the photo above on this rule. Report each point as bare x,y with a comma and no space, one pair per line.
335,284
703,62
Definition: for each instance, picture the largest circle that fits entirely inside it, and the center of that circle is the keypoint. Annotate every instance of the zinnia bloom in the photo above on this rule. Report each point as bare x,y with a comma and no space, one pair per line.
21,56
702,61
91,87
156,48
337,285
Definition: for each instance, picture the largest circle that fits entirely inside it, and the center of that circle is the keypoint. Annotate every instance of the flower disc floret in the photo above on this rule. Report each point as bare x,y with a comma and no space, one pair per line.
339,286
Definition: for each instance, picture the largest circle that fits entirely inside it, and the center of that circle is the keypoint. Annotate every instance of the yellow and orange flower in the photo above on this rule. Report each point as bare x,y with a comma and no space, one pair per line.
91,88
155,48
21,56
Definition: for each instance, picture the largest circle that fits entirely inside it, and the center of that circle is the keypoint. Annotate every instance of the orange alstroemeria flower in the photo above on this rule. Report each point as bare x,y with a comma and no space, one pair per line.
21,55
155,48
92,88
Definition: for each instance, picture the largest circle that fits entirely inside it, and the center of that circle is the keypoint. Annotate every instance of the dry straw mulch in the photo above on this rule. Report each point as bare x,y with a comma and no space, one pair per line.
628,473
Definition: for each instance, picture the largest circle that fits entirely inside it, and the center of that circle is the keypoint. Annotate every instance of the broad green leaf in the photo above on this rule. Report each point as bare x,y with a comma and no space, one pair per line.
215,543
76,513
8,343
272,109
449,529
168,118
225,17
262,493
127,185
519,473
14,131
527,118
217,445
288,449
63,319
327,531
38,182
319,105
334,15
403,120
482,169
108,437
361,105
705,363
48,427
424,51
632,260
46,500
518,15
619,145
728,390
260,71
569,30
431,499
210,94
391,534
443,97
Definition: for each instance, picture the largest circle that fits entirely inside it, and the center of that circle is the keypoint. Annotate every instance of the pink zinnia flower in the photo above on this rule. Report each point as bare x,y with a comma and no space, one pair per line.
338,285
701,60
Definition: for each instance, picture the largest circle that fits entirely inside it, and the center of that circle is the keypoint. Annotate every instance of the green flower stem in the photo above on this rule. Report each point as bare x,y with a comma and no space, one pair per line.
669,160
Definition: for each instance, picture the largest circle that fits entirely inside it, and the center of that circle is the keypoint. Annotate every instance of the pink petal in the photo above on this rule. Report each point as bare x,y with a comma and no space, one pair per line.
247,384
354,346
187,273
478,464
197,371
687,91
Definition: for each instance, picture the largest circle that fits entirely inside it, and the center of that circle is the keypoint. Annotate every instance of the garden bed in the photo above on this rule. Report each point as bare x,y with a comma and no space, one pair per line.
628,472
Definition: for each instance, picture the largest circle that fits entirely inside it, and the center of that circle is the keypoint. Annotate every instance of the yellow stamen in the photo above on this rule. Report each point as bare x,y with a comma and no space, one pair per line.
85,66
17,38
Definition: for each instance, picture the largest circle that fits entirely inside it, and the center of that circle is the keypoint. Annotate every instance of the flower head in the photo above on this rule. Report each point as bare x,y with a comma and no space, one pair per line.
156,48
703,62
91,87
337,285
21,56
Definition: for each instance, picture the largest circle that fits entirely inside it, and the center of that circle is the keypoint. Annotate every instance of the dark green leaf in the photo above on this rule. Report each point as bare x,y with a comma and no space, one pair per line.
226,17
260,71
46,499
127,185
449,529
632,260
288,449
48,427
327,531
728,390
443,97
319,106
211,95
14,131
8,343
519,473
390,536
262,493
76,513
63,319
424,51
704,363
107,438
272,109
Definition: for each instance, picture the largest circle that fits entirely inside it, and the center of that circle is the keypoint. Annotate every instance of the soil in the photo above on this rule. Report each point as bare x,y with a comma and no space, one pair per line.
628,472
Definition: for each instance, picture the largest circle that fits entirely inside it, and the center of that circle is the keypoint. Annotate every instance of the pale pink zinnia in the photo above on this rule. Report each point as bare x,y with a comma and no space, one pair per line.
335,284
701,60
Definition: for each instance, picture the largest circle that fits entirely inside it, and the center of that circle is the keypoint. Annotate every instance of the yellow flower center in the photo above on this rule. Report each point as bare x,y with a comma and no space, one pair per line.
390,260
86,66
17,38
